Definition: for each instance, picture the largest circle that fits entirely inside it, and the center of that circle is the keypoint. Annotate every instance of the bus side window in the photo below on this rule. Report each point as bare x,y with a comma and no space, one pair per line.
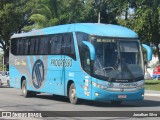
72,44
26,47
21,47
37,40
62,50
58,41
43,46
14,46
85,60
47,46
69,45
18,46
55,44
62,44
32,44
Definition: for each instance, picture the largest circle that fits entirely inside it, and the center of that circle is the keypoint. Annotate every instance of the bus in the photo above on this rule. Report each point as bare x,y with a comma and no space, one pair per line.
91,61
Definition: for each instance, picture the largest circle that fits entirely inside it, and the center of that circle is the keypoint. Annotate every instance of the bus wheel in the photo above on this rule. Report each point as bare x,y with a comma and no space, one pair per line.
114,102
25,92
72,94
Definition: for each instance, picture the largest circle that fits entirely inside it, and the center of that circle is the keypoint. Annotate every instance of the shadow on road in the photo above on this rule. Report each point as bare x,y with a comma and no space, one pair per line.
5,86
144,103
53,97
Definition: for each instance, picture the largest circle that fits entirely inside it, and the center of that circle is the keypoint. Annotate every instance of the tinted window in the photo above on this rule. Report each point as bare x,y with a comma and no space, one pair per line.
26,46
68,44
32,46
59,44
62,44
53,45
20,46
56,44
14,46
44,46
83,50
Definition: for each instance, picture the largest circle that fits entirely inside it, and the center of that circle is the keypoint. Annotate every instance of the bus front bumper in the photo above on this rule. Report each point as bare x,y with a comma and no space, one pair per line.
103,95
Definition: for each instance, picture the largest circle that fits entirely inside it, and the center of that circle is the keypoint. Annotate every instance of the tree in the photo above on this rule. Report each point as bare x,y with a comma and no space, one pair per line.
58,12
145,21
104,11
43,15
13,17
54,12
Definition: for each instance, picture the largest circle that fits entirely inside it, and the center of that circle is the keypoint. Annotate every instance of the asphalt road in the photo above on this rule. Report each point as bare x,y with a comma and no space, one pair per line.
12,100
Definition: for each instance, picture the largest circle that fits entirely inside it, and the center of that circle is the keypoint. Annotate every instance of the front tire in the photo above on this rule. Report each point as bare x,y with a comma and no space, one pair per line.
72,94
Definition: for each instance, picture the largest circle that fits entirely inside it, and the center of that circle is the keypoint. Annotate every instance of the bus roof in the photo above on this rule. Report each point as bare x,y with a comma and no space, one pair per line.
98,29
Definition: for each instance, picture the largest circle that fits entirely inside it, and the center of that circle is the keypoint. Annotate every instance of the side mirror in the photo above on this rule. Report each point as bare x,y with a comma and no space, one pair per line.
149,51
91,49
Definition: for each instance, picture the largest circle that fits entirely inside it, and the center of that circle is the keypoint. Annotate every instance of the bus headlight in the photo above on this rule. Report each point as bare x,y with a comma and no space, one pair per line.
96,94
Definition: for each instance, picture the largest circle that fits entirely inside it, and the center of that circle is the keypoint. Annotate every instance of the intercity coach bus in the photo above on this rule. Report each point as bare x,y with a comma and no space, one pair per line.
81,61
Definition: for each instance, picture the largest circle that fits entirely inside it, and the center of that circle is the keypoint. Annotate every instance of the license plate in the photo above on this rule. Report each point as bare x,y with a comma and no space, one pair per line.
122,96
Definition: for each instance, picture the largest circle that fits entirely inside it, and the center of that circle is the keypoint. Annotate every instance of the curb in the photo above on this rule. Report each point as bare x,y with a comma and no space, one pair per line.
153,95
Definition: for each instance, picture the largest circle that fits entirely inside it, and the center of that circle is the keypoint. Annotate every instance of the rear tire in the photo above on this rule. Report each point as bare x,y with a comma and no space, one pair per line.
72,94
25,92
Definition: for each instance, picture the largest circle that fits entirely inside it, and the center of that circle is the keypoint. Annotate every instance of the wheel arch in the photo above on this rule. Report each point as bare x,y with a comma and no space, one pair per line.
22,78
68,86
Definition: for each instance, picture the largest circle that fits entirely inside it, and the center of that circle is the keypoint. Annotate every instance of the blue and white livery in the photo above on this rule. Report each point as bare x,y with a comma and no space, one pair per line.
81,61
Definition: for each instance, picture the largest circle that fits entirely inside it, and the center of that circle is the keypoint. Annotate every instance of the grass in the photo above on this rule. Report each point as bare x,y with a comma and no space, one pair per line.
152,85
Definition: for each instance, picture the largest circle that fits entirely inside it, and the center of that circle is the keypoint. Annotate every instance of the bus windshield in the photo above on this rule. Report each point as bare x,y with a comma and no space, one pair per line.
118,59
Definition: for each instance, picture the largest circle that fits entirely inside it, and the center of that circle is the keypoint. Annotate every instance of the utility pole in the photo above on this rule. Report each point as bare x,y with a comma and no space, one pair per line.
3,62
99,17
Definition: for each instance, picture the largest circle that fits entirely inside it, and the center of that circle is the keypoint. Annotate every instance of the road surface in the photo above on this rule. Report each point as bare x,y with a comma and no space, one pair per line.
12,100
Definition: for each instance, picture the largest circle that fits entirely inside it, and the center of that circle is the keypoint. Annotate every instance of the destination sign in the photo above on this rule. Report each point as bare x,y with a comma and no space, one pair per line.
105,40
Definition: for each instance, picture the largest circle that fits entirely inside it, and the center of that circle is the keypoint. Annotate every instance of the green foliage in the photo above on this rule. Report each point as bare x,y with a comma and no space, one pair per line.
42,15
24,15
145,21
54,12
13,17
152,85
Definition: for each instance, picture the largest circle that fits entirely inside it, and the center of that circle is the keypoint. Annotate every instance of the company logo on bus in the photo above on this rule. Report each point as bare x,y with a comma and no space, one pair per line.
38,74
110,85
128,84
